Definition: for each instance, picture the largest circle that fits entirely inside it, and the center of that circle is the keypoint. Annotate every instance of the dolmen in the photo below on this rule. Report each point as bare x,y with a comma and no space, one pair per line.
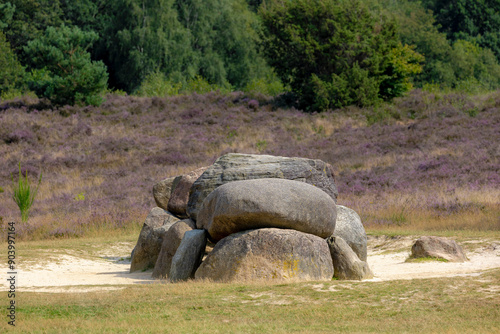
262,217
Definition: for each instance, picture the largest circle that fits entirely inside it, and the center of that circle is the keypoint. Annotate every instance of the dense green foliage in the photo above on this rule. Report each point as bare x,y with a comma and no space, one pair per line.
62,70
448,63
336,53
476,21
11,71
30,19
329,53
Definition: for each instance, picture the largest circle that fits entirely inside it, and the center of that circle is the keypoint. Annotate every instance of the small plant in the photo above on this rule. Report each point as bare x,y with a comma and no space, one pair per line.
472,112
80,197
24,195
261,145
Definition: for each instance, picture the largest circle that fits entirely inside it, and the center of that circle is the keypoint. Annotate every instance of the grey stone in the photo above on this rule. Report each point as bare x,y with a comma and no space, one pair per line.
171,242
188,256
180,194
346,264
262,203
150,239
268,254
439,248
236,167
162,191
349,227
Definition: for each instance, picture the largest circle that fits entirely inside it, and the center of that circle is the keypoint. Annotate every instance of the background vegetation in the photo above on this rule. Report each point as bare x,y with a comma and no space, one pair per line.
328,53
109,97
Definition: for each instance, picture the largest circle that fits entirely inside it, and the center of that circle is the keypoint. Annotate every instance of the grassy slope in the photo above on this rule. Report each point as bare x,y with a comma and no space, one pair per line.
429,162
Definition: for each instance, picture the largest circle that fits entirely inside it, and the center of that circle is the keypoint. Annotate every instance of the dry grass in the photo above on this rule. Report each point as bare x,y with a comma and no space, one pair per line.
451,305
434,210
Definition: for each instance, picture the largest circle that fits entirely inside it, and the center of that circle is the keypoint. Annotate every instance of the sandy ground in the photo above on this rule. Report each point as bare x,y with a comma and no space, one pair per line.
110,271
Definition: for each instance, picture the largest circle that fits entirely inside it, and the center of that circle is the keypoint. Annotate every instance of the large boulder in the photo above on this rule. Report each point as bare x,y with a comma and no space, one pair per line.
171,242
349,227
439,248
236,167
150,239
188,256
180,193
162,192
250,204
266,254
346,264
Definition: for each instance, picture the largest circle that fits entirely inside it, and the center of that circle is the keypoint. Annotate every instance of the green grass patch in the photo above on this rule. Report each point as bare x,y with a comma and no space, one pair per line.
461,304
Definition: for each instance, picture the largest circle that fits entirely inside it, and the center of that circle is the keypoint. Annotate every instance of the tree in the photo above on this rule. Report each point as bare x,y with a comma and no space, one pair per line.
448,63
223,36
30,19
335,53
62,69
6,13
11,71
476,21
144,37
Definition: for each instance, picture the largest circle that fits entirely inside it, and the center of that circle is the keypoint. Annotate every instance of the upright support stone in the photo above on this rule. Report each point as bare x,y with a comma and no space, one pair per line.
346,264
188,257
171,243
148,245
349,227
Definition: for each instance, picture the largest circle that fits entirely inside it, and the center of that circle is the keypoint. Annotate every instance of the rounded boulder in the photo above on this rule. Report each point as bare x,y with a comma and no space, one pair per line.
268,253
267,203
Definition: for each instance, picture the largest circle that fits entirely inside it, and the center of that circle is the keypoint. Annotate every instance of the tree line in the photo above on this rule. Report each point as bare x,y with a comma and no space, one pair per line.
324,53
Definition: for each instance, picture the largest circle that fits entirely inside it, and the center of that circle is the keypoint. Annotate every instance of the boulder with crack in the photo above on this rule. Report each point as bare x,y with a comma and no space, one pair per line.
171,242
268,254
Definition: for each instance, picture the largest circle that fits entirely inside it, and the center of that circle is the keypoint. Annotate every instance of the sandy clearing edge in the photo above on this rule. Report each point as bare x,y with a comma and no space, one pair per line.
69,273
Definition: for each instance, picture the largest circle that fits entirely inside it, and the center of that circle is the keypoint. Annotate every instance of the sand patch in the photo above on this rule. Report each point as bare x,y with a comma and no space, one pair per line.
110,270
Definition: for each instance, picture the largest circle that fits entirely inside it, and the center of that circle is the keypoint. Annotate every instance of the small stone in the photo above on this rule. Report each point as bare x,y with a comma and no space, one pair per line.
439,248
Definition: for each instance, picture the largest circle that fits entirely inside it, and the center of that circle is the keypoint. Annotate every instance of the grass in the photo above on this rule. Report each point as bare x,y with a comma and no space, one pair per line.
466,304
451,305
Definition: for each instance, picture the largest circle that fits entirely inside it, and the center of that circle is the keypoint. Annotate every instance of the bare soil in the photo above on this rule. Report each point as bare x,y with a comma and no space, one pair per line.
110,270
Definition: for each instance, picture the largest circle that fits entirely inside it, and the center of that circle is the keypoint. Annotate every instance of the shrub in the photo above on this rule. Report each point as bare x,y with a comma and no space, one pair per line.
200,85
157,84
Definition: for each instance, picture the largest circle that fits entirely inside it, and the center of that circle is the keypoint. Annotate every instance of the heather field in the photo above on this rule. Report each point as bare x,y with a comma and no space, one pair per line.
427,162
